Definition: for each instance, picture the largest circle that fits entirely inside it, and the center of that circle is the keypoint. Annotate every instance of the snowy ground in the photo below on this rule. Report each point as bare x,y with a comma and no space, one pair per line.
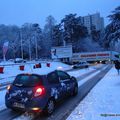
11,69
103,102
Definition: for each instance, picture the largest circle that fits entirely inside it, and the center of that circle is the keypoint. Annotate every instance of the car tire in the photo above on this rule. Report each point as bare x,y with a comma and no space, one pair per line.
74,67
75,91
50,107
86,66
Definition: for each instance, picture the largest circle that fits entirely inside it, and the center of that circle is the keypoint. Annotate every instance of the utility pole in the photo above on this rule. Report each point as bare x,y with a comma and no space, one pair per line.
21,43
29,50
64,42
36,45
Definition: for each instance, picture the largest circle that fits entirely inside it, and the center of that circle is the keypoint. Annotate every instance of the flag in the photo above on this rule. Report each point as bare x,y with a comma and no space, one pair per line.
5,47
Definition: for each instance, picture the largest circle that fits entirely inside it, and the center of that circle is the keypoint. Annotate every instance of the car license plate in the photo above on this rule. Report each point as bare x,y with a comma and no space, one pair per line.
19,105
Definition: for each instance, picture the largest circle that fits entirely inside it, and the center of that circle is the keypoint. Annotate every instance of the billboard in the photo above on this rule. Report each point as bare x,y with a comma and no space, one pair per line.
61,52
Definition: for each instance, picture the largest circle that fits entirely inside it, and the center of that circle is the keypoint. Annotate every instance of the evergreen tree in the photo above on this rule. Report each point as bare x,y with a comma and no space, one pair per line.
48,34
95,34
112,31
57,35
73,29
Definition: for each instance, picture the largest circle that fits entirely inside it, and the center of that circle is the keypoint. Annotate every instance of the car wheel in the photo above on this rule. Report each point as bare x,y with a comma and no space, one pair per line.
50,107
75,91
75,67
86,66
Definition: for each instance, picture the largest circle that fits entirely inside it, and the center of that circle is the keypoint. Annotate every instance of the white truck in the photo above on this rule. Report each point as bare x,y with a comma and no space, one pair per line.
95,56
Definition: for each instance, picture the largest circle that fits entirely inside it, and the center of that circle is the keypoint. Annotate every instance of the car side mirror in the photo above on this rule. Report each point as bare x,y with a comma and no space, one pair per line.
72,77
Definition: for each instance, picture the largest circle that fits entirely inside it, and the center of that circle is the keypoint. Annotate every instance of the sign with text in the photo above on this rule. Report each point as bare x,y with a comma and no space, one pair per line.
90,56
61,52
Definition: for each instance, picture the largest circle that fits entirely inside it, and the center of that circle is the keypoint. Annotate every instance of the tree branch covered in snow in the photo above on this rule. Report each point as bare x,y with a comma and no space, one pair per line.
112,32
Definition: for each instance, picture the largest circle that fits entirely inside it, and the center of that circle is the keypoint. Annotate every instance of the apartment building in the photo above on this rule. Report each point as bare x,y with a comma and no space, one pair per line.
93,20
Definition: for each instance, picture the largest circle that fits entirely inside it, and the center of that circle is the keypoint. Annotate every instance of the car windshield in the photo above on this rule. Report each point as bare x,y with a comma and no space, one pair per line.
27,80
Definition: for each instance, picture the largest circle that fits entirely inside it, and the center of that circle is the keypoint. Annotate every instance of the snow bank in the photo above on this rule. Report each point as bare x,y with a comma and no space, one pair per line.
103,102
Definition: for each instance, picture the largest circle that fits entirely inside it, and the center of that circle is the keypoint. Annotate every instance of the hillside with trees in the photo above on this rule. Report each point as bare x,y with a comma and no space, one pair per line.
36,42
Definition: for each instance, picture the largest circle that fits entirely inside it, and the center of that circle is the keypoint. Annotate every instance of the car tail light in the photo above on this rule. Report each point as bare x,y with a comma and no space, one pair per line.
39,91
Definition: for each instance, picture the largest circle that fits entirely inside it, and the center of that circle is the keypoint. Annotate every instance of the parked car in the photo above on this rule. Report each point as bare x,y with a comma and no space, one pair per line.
81,65
33,92
19,60
11,60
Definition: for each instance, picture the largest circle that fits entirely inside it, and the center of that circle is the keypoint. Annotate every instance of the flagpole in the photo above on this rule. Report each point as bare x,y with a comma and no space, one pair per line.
5,49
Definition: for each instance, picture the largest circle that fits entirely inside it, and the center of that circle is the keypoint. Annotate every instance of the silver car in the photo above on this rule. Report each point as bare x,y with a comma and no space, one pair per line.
81,65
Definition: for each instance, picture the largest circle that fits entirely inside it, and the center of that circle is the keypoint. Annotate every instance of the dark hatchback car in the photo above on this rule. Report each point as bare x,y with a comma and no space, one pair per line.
33,92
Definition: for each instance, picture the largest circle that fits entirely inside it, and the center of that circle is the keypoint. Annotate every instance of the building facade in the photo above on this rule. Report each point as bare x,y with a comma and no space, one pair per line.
93,20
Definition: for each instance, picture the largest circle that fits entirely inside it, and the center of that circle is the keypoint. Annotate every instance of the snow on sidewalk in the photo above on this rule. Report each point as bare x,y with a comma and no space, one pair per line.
103,101
2,100
11,71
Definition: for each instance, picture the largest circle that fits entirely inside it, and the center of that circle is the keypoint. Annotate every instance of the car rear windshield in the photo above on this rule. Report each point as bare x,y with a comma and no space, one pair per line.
27,80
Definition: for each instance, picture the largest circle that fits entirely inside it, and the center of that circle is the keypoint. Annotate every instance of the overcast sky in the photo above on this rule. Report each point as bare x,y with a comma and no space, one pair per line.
19,12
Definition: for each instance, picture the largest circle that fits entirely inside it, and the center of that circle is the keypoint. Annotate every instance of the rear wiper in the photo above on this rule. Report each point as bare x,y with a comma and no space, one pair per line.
18,85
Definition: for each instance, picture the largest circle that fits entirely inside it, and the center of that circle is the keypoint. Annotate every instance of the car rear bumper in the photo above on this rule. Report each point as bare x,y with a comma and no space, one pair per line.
36,104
